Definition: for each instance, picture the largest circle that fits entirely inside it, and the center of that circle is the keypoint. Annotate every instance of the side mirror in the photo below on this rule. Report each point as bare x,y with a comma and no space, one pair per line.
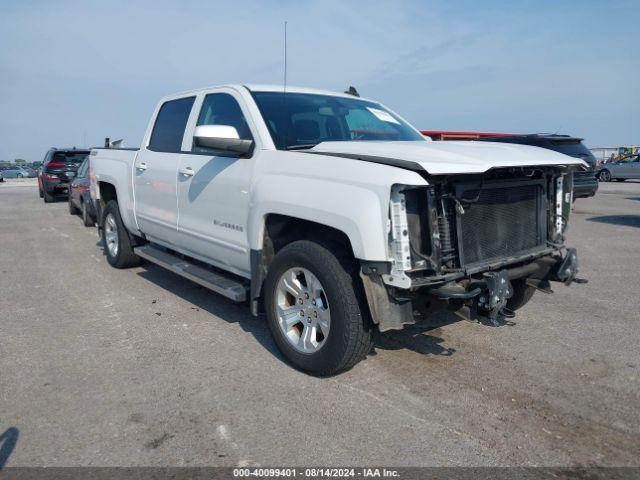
221,137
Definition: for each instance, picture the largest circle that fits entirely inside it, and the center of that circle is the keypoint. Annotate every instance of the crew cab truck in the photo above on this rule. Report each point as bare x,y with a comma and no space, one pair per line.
332,215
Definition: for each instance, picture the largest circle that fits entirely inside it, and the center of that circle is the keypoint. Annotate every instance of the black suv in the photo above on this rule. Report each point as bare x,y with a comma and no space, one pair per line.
585,184
59,167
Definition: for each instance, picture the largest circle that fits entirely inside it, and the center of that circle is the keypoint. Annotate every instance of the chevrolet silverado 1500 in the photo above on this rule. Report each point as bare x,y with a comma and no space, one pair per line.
332,215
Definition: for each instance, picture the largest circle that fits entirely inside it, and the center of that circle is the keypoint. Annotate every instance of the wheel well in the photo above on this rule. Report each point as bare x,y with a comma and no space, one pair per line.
107,192
281,230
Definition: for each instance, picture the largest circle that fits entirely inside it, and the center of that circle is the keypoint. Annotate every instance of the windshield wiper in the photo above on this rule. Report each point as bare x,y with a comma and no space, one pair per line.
300,147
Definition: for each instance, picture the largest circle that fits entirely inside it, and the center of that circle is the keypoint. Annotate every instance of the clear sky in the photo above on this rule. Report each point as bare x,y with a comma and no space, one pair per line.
76,70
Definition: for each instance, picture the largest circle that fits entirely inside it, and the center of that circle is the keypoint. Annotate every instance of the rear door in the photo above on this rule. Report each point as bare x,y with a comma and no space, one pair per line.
155,172
621,168
213,188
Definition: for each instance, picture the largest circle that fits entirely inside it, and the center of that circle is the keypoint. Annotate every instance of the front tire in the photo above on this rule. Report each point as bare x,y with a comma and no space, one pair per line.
605,176
116,240
522,293
334,331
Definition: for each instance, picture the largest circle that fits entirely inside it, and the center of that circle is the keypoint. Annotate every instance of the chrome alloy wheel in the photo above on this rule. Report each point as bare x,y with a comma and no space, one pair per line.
111,235
302,310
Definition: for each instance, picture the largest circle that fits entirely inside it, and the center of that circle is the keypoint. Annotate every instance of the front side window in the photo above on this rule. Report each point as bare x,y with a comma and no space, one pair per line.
301,120
170,124
223,109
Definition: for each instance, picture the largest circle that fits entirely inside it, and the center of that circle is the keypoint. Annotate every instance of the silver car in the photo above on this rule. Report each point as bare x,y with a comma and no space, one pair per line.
17,172
620,170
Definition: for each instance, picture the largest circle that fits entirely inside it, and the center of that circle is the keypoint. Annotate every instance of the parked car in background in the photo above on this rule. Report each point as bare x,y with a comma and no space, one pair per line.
58,169
621,169
585,183
79,197
17,172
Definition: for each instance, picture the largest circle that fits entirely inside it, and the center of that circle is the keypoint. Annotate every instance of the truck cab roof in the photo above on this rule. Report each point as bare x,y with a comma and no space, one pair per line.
255,87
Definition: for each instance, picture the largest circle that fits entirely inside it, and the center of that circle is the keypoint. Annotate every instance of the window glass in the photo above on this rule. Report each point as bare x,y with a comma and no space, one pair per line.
69,158
574,149
82,171
170,124
223,109
301,120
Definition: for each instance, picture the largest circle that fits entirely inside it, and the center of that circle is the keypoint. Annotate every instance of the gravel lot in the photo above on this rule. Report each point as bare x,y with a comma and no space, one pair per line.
139,367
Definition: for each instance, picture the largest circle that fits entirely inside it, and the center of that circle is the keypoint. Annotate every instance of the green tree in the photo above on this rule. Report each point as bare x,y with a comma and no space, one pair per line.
20,161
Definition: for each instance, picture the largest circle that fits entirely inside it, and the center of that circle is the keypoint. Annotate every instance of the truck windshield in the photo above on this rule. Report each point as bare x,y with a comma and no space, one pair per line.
302,120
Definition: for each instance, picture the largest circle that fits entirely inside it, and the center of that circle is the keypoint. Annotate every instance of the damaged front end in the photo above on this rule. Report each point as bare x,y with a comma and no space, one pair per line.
473,242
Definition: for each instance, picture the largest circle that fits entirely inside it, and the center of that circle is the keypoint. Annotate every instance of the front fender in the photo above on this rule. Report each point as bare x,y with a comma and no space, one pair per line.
356,211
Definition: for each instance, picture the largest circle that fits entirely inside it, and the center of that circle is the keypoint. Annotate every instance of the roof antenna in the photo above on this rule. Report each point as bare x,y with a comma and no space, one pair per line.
285,57
284,92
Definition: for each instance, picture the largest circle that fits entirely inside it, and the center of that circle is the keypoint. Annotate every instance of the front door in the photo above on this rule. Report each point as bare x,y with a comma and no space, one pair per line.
155,173
213,192
634,168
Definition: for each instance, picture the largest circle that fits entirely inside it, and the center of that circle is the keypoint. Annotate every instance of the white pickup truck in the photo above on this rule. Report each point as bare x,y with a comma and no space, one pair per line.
333,215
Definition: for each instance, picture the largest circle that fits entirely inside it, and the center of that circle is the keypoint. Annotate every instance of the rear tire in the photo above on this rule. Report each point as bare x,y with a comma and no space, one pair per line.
116,240
87,220
522,293
48,198
334,274
73,210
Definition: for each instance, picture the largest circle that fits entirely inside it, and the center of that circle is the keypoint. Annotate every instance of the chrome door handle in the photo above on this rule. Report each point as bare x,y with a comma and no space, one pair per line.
188,171
142,166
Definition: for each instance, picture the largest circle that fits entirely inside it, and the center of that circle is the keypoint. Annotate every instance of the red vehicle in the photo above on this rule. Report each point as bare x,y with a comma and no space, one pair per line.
58,169
453,135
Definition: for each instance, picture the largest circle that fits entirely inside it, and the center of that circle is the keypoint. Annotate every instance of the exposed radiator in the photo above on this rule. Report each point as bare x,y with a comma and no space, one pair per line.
503,222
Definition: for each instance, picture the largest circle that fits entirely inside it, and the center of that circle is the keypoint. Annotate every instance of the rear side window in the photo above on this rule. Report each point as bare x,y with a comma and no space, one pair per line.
170,124
573,149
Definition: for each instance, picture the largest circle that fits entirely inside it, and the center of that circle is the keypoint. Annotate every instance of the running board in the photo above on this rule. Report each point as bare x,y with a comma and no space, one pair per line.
217,282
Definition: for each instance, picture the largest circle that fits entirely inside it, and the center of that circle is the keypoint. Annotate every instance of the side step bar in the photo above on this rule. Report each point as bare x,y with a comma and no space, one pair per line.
217,282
